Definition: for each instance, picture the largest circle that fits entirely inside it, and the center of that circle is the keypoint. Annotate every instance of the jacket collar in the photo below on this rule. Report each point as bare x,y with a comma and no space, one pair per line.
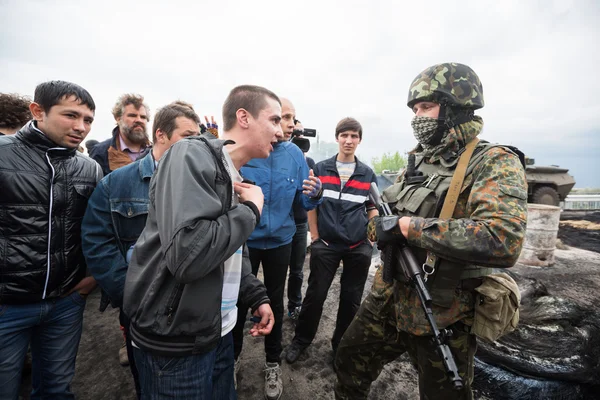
212,141
330,164
32,135
146,166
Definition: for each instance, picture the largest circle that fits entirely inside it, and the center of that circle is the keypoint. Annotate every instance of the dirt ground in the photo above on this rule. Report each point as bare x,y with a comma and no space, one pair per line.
99,375
577,235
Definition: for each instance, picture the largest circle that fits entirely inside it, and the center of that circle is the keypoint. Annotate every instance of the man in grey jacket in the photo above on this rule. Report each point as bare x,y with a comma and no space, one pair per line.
190,263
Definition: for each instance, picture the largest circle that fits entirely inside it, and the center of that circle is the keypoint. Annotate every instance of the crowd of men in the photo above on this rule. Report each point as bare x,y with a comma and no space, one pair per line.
173,228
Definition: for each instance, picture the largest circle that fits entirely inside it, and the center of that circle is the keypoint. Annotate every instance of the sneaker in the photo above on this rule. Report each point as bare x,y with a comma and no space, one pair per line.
273,382
292,352
236,369
294,313
123,358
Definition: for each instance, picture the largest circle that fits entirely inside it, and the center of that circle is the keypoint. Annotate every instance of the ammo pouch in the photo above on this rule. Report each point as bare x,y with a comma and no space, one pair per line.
496,307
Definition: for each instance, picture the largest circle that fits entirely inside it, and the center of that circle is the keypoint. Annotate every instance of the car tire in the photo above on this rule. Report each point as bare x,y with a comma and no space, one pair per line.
546,195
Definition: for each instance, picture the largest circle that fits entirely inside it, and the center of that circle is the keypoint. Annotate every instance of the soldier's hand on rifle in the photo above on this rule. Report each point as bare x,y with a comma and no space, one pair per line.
371,232
388,231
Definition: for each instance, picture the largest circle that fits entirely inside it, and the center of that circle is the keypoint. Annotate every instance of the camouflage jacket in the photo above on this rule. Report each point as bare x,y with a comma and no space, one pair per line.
487,230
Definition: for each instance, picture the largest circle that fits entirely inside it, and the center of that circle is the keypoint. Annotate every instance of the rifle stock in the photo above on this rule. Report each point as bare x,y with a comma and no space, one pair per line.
405,258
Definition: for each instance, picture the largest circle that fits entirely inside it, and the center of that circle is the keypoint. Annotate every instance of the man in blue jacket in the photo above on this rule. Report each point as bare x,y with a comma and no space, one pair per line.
285,180
117,211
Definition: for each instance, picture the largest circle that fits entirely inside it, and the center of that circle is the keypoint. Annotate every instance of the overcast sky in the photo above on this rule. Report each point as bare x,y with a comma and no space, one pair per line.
538,61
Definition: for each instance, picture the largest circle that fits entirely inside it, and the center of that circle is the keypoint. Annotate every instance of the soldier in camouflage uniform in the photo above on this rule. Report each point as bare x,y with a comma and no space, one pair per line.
486,231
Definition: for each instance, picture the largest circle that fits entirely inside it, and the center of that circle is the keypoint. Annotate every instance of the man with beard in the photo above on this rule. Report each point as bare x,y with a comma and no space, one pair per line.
459,230
129,140
285,179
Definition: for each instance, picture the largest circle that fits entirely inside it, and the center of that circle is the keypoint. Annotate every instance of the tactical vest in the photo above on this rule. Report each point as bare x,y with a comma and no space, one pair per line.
425,199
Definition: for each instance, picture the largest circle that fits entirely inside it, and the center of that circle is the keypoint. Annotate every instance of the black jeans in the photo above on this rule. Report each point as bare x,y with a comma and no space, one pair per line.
275,265
125,323
324,262
297,258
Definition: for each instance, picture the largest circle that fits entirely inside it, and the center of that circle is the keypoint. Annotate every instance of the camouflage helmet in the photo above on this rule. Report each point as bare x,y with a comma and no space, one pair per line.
456,84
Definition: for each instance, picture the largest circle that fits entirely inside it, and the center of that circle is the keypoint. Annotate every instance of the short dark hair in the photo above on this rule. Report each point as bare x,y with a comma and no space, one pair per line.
126,99
89,144
165,118
249,97
348,124
49,94
14,110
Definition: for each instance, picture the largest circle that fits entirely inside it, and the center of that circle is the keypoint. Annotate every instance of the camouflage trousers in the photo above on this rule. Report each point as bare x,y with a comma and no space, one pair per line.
372,340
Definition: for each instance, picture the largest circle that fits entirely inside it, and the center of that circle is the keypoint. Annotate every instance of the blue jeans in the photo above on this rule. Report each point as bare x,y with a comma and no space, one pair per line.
53,328
203,376
296,266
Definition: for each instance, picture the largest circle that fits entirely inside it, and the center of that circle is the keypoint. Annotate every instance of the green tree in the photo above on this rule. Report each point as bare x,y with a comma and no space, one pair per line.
388,161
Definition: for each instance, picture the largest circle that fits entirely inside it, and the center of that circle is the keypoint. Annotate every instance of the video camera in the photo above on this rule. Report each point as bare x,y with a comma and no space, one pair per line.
306,132
302,142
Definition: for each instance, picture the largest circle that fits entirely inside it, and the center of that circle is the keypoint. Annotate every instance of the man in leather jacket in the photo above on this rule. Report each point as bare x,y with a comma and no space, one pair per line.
190,264
117,211
45,185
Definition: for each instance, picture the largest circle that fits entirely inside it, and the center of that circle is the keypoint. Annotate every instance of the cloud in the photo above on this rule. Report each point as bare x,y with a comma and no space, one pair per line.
537,60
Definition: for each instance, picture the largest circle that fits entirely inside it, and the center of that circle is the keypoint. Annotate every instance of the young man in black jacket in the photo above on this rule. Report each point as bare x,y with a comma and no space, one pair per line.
338,229
190,263
45,185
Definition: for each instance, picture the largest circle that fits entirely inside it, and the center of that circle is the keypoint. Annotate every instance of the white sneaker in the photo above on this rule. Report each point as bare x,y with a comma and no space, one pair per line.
273,382
236,369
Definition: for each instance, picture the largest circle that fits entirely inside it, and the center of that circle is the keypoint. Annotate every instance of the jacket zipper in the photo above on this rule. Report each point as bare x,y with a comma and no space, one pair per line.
173,303
270,201
340,196
49,220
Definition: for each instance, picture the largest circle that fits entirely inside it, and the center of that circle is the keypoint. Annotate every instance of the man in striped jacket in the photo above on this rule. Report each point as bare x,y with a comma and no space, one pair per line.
338,229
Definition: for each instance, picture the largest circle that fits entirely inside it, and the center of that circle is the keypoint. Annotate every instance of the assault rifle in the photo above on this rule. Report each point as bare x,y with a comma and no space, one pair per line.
403,256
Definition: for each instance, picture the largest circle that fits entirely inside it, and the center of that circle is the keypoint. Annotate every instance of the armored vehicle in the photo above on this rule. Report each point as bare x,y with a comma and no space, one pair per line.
386,178
547,184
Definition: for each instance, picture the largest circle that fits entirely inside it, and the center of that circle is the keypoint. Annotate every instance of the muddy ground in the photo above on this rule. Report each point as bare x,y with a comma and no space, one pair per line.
99,375
580,237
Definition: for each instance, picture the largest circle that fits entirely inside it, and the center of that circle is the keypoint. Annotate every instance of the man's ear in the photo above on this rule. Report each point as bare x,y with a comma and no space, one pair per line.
37,111
243,118
160,135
